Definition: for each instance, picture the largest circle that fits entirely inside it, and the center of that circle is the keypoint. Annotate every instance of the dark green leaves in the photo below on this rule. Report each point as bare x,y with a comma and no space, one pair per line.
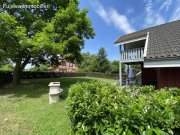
99,109
38,33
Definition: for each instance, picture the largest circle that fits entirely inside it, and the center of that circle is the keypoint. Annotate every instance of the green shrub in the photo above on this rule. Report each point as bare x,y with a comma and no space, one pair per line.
97,108
7,67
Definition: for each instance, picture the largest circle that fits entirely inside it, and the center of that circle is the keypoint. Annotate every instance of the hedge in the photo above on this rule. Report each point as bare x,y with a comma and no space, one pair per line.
97,108
6,76
33,75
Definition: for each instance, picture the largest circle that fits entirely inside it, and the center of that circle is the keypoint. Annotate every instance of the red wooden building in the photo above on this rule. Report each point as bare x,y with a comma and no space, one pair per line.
64,66
157,49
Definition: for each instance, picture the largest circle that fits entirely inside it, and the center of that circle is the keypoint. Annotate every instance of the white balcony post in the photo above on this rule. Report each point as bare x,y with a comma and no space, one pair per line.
139,52
122,56
120,73
142,52
135,53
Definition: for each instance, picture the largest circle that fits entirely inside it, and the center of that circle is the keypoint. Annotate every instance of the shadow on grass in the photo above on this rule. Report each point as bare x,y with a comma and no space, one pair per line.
35,88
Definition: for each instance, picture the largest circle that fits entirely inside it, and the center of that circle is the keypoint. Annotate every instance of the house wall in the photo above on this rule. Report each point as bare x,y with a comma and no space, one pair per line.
168,77
161,77
149,76
66,67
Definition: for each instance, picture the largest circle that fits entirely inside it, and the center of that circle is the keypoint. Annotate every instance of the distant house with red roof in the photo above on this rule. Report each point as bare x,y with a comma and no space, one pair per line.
64,66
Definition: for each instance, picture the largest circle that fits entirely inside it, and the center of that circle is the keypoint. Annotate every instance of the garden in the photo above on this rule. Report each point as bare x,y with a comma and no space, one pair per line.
34,40
88,106
105,109
25,109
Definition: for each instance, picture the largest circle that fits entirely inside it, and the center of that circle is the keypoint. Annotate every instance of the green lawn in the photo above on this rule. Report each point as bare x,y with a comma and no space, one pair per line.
25,109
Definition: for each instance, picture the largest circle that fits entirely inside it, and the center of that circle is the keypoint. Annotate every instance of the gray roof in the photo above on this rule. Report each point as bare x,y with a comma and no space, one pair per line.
164,40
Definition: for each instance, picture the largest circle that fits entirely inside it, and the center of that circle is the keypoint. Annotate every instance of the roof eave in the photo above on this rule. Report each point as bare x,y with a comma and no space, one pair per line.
130,41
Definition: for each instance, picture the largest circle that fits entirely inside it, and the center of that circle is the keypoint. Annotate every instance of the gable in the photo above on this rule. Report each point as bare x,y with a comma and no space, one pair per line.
163,42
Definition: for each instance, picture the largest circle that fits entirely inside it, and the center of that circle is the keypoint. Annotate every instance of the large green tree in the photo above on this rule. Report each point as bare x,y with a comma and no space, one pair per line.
89,63
115,67
43,35
103,62
7,67
40,68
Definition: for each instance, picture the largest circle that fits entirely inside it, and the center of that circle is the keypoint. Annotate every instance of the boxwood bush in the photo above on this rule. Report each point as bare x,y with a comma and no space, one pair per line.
96,108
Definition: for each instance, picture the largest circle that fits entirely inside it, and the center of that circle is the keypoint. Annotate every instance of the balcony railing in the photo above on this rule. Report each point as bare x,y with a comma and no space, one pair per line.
132,55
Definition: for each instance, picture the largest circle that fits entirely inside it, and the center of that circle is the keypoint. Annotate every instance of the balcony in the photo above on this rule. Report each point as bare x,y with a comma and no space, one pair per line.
132,55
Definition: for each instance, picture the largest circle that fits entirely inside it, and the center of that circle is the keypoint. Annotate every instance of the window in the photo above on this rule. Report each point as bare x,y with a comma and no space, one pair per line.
63,63
71,64
61,70
64,70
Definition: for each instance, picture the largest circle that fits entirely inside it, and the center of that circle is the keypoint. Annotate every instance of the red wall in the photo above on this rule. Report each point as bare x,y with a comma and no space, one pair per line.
149,76
161,77
64,68
168,77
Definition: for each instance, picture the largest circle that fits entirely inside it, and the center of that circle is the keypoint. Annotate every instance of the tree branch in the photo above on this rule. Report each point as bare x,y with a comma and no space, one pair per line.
25,63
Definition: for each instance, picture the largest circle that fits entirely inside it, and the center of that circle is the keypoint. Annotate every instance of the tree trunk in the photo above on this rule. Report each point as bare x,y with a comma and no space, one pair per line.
16,77
16,73
19,67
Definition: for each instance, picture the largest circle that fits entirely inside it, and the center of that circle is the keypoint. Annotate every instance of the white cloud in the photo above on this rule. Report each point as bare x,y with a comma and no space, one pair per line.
176,14
113,17
120,21
99,9
152,17
166,4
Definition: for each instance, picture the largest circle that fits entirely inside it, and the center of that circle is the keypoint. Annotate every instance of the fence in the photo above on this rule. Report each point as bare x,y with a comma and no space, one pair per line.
33,75
6,76
103,75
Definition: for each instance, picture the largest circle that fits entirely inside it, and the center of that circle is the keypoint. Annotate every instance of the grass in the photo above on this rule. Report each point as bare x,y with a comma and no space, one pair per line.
26,110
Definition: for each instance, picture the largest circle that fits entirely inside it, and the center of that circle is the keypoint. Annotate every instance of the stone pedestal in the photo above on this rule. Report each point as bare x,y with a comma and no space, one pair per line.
54,92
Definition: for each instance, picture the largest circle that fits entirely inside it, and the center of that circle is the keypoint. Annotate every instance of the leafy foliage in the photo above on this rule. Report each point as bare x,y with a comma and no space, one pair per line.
136,68
40,36
103,62
3,61
115,66
95,63
40,68
98,108
7,67
89,63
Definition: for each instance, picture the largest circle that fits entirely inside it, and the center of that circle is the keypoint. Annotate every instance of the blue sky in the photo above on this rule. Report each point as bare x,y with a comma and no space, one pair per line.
113,18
